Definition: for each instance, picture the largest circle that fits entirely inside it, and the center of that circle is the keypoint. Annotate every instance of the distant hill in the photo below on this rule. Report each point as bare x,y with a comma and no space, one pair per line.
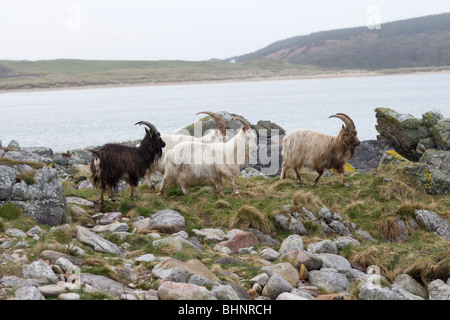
417,42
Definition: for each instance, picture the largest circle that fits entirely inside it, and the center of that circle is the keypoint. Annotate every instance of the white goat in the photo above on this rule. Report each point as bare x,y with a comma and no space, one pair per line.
318,151
193,162
216,135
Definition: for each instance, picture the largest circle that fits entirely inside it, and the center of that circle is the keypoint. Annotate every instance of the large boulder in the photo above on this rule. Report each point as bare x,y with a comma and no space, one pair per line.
433,222
410,136
41,197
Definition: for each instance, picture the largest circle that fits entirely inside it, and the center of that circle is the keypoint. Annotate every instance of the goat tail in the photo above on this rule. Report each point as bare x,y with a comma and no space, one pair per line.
95,166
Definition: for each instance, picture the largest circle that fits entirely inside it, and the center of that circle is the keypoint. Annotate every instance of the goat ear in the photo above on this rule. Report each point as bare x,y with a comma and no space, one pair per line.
148,132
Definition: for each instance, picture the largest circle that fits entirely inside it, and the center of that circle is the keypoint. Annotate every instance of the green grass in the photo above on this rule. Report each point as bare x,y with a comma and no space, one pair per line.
75,73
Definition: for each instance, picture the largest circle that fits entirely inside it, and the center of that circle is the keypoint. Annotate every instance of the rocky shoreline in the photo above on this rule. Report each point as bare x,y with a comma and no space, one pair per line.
32,179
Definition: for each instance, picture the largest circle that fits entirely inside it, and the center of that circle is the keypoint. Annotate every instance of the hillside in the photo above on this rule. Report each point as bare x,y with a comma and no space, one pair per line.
417,42
64,73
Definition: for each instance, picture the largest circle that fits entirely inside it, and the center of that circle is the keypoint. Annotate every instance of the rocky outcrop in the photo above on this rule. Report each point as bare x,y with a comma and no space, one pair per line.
410,136
39,192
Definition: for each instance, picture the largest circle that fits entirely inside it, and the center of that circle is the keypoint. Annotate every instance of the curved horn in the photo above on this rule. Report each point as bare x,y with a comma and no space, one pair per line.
219,120
346,119
148,124
246,125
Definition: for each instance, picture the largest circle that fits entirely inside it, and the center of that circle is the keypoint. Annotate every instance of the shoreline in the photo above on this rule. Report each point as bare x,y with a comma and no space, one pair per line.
344,74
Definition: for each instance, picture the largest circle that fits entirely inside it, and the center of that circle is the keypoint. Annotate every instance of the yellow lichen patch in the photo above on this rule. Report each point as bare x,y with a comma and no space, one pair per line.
349,168
397,156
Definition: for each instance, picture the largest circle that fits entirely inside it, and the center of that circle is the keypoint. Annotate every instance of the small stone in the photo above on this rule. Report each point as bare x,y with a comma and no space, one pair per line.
28,293
51,290
303,273
69,296
325,246
293,242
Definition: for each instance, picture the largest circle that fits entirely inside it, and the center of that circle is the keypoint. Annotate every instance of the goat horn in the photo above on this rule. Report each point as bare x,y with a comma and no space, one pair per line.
148,124
246,125
219,120
346,119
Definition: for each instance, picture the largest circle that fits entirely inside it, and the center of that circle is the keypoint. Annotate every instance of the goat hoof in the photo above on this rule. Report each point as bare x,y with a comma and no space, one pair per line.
347,185
159,194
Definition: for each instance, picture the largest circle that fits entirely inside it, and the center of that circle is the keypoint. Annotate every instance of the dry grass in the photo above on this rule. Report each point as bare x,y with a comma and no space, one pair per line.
250,217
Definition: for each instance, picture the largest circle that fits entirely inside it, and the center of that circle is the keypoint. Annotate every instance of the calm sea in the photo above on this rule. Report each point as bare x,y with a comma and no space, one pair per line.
71,119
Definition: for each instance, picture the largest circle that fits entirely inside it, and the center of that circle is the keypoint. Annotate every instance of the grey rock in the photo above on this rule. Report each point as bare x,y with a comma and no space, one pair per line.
146,258
293,242
302,294
328,280
309,214
225,292
435,182
53,256
334,261
311,261
376,292
408,283
275,286
260,279
39,270
433,222
104,284
44,200
325,214
14,144
340,229
282,221
297,227
15,282
365,236
179,271
128,274
28,293
441,133
69,296
342,242
16,233
438,159
325,246
112,227
79,201
290,296
168,221
285,269
169,290
35,230
402,130
325,228
7,181
439,290
251,173
210,235
171,244
269,254
51,290
98,243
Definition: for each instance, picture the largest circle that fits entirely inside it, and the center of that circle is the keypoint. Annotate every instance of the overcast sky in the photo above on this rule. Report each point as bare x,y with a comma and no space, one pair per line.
180,29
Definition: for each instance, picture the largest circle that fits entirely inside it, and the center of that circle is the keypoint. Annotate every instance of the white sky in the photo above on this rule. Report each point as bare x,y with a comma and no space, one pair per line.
180,29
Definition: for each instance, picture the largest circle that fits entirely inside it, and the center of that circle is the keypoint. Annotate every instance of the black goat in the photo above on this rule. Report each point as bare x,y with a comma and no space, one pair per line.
112,162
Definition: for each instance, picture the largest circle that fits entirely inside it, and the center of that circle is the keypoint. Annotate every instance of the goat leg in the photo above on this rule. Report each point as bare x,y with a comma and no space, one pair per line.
344,182
102,189
132,191
163,186
110,193
319,174
297,175
149,180
283,171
